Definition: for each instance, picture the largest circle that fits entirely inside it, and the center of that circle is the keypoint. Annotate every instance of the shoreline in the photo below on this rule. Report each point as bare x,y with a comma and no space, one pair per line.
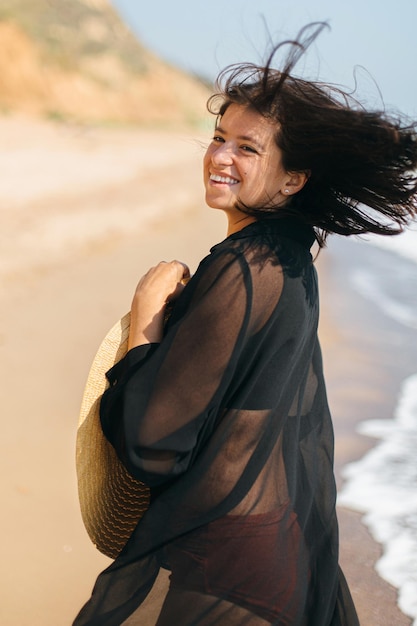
54,316
367,357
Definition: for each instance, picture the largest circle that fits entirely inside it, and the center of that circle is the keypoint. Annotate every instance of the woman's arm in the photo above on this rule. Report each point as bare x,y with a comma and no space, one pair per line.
156,411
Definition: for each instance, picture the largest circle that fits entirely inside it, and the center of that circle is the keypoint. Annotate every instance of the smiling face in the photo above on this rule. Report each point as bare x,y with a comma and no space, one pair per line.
243,163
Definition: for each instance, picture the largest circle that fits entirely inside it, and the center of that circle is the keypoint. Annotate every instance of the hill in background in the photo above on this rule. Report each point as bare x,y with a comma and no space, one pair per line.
77,60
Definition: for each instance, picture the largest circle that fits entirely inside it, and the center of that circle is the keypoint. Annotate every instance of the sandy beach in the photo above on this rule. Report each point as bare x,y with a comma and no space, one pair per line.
85,211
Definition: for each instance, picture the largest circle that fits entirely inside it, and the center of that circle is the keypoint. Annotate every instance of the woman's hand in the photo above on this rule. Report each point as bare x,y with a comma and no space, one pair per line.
160,284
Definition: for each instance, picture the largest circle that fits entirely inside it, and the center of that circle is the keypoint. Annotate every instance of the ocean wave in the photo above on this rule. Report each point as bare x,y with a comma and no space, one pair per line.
382,485
396,298
404,244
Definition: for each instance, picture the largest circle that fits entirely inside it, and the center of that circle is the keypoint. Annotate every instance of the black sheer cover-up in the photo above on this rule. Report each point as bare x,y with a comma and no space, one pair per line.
227,421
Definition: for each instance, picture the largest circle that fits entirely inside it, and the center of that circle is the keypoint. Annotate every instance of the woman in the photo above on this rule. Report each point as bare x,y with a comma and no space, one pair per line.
223,410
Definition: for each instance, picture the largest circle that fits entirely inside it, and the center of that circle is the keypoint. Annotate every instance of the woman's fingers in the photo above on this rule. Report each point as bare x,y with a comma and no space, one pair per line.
186,272
183,276
182,270
164,281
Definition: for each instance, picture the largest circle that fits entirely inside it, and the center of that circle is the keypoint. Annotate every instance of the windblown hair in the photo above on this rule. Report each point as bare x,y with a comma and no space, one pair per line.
361,164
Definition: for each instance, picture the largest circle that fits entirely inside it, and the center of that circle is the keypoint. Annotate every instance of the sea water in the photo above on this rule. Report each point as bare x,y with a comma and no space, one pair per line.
383,484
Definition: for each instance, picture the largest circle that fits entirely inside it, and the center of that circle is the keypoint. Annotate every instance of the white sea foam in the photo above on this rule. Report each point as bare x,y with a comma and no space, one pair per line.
382,485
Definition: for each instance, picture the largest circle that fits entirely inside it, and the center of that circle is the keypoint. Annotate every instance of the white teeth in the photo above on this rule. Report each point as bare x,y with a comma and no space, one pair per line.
223,179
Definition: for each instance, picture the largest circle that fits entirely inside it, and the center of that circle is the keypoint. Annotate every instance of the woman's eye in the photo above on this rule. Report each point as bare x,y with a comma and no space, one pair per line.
249,149
218,139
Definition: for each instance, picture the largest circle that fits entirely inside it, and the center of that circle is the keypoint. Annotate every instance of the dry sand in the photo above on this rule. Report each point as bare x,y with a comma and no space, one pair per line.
84,213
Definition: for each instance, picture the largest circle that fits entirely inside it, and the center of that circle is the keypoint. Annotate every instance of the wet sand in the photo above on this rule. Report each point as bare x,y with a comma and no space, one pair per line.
73,256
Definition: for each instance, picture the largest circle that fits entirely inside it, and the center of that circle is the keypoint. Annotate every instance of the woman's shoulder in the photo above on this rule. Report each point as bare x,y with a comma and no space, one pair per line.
284,242
270,232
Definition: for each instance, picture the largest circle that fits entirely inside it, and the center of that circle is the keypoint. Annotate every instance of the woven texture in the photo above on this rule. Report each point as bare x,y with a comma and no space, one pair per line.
111,500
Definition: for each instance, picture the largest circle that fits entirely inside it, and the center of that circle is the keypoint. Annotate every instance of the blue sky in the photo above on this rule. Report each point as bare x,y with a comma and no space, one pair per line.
203,37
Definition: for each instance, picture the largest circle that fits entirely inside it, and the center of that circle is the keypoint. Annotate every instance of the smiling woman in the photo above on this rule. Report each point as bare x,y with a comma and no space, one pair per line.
222,410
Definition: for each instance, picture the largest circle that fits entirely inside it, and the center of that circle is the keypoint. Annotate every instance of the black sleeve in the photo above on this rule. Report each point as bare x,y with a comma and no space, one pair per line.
161,395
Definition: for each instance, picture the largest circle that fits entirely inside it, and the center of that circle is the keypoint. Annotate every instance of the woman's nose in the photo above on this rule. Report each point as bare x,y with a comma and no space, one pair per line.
223,155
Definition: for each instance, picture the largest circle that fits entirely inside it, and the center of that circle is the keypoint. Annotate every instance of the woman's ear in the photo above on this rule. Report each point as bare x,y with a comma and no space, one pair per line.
295,182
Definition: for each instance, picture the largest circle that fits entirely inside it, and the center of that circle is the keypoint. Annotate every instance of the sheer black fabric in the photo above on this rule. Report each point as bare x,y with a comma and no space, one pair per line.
227,421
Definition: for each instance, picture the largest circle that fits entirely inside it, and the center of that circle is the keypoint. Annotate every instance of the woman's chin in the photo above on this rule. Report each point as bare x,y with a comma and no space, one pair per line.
218,204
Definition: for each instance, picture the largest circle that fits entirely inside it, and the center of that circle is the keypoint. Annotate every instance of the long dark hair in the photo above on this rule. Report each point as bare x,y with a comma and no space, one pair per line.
361,164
